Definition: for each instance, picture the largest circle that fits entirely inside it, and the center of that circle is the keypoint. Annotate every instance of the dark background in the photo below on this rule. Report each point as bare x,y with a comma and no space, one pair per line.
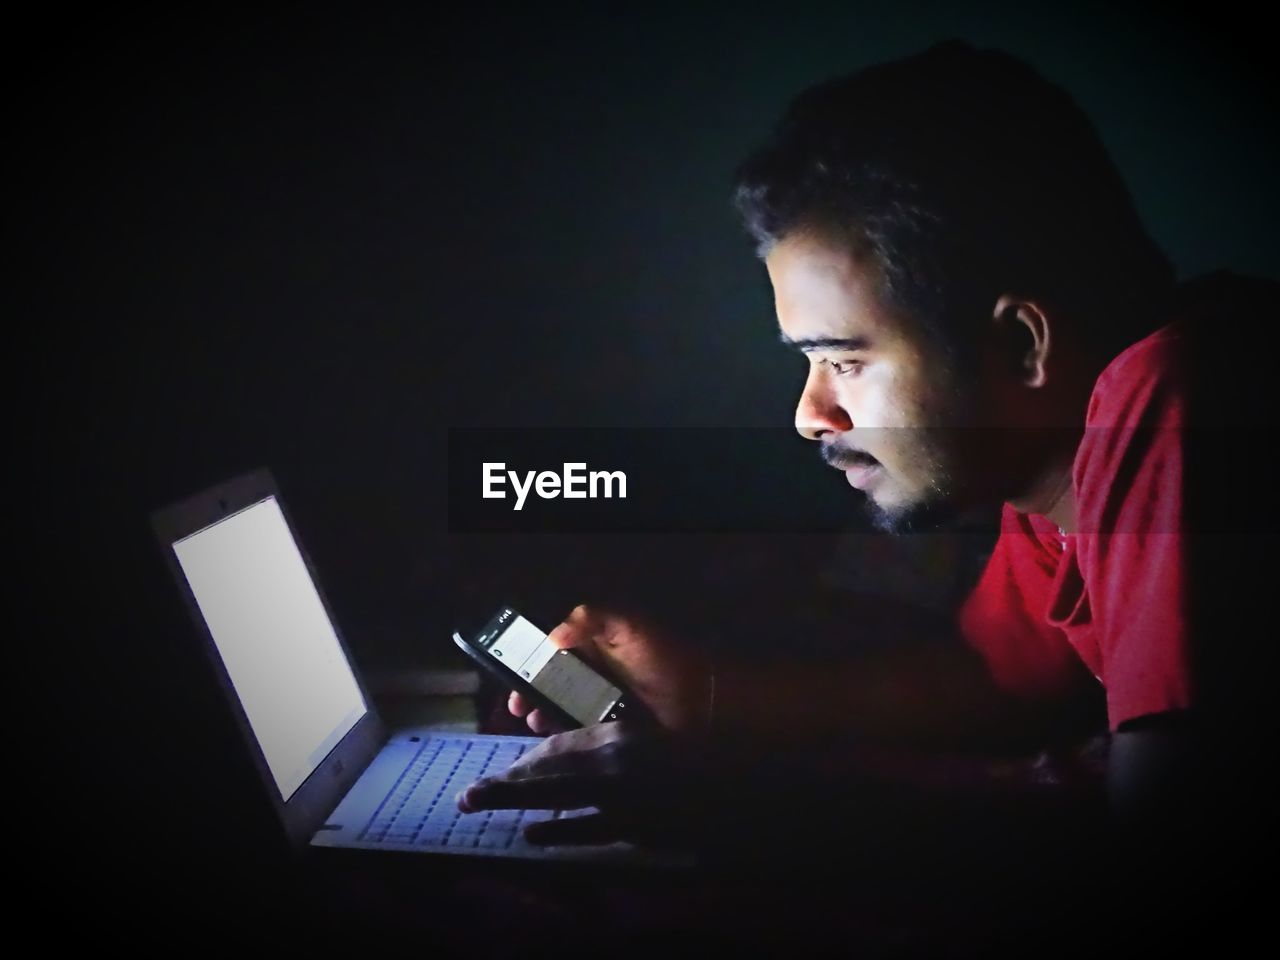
317,240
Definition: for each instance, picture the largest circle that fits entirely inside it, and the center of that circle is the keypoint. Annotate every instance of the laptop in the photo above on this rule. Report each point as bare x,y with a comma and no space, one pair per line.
335,775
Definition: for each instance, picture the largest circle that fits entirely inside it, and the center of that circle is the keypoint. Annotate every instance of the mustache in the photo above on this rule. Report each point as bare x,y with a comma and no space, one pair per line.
842,458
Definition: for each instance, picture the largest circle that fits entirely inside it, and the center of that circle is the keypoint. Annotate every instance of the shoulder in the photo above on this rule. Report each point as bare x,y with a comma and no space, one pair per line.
1217,335
1151,370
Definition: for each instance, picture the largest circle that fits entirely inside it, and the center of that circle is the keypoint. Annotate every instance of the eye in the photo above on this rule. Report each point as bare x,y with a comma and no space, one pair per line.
844,367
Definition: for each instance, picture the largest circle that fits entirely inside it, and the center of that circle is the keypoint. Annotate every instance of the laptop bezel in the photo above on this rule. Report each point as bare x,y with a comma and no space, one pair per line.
306,811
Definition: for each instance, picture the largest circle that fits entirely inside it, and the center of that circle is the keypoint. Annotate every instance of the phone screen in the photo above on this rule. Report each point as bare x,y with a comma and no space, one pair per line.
557,674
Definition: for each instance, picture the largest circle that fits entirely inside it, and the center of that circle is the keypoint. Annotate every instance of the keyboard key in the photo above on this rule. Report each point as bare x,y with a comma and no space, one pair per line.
505,837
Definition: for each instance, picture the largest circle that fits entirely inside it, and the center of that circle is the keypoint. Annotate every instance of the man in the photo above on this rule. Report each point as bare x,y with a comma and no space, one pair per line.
986,321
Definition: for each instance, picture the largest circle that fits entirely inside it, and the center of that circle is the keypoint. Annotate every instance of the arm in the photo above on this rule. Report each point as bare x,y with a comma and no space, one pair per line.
883,731
936,697
1156,771
710,793
933,695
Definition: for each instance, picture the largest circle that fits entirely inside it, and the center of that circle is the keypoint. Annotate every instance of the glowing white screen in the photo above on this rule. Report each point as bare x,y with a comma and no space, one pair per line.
275,639
524,648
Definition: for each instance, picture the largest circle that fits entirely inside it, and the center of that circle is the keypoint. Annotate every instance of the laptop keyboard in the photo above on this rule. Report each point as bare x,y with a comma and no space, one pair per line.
421,808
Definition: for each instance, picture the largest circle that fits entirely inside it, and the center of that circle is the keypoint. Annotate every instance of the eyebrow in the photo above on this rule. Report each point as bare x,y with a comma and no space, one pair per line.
804,345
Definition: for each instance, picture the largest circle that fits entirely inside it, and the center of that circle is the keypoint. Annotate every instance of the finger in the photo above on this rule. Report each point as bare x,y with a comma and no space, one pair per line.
587,751
590,828
537,793
518,705
583,632
579,629
577,752
583,641
538,720
543,725
573,632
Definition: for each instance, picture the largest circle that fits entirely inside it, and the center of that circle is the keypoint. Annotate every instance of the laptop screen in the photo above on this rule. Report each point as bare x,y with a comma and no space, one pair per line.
275,639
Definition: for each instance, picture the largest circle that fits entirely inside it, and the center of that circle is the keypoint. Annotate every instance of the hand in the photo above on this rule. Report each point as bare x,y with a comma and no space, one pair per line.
650,787
672,680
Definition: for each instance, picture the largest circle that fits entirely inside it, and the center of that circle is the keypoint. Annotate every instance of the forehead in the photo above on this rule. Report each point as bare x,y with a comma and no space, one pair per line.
822,289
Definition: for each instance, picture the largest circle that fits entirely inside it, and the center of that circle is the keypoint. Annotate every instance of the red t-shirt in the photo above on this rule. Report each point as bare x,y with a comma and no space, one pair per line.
1113,594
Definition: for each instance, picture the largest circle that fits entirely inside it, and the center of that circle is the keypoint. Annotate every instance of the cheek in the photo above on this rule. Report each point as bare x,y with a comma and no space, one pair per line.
896,421
882,416
870,400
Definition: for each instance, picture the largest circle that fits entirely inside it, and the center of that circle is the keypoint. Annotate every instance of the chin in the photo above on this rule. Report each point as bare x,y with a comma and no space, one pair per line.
918,517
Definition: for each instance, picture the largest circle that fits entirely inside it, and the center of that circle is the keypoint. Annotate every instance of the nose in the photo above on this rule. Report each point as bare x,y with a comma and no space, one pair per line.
818,411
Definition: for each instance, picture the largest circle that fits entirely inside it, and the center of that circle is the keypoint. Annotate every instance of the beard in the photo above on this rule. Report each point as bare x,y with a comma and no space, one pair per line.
936,509
927,516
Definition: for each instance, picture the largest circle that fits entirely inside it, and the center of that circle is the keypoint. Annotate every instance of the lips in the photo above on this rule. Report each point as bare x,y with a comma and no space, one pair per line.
863,475
860,469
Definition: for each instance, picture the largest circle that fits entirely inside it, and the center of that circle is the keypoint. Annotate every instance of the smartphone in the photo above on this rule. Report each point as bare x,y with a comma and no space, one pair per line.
559,682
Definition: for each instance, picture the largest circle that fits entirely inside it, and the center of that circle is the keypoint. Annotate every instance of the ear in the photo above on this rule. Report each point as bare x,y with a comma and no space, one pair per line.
1023,326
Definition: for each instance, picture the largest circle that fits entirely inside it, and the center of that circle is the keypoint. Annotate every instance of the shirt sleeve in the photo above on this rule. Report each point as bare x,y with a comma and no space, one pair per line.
1129,477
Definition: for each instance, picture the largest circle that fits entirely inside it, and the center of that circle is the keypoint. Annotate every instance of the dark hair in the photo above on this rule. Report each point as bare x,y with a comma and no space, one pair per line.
965,175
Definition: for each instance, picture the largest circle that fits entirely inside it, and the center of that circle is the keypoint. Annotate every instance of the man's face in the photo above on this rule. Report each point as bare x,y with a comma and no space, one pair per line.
879,397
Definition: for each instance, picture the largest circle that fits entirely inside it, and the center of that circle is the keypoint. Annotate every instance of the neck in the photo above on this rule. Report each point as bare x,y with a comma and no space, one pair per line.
1049,490
1051,493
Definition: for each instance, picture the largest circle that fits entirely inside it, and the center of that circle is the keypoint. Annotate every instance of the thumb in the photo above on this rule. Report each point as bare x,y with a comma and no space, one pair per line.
581,632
